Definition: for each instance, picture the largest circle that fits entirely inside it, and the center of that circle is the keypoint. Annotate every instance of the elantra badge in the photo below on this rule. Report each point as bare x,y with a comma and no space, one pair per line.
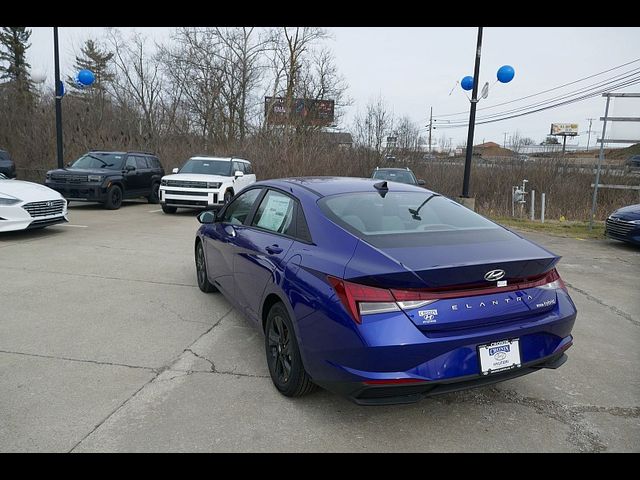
494,275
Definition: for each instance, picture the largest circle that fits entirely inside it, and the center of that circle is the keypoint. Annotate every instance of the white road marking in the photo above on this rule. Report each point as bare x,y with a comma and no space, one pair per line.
154,211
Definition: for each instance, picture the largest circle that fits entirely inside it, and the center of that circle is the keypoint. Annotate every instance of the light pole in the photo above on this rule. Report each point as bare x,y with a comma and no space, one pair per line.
505,74
472,118
59,93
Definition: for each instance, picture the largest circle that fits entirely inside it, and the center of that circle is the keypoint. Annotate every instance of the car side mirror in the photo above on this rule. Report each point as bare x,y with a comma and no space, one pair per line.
129,168
238,174
175,170
207,217
421,182
68,164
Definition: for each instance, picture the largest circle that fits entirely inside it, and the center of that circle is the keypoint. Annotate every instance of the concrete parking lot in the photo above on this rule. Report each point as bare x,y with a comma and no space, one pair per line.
107,344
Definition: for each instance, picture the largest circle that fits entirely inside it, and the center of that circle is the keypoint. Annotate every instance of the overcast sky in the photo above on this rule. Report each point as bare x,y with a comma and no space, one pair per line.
415,68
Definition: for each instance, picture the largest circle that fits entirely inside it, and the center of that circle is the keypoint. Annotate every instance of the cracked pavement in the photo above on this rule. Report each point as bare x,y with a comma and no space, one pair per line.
107,344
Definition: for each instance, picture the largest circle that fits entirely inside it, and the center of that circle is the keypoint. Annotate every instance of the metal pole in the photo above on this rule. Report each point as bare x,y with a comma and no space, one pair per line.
472,117
564,143
542,207
589,135
533,203
600,157
430,128
513,207
56,59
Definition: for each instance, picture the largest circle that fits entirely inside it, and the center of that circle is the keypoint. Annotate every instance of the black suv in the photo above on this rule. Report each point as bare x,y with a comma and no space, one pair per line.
7,166
108,178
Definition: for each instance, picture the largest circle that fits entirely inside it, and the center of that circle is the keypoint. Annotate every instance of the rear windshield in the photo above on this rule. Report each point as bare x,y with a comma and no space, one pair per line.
405,217
402,176
108,161
207,167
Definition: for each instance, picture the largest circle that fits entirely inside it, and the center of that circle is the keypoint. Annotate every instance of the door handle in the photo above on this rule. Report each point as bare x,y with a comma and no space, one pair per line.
273,249
230,231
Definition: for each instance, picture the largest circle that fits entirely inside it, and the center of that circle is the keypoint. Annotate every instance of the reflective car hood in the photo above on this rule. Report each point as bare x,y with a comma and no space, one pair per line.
28,191
632,212
197,177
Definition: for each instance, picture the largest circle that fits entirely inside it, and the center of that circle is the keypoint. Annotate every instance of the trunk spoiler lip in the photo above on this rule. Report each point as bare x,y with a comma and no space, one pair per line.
472,290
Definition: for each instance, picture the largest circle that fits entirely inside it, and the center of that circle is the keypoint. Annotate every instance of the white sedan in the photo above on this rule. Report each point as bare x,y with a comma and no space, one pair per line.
25,205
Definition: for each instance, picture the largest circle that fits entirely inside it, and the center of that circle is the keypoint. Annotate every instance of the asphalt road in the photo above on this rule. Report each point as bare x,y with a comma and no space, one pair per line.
107,344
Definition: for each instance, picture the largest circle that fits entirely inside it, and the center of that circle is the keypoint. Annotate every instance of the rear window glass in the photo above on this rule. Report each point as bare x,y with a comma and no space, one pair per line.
402,176
387,221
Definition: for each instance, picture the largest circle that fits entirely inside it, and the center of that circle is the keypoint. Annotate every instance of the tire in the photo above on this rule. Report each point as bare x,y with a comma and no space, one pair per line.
114,198
201,271
168,209
281,348
155,194
228,195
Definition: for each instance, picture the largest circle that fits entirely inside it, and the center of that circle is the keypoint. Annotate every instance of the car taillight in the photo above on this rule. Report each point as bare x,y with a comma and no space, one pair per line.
553,281
363,300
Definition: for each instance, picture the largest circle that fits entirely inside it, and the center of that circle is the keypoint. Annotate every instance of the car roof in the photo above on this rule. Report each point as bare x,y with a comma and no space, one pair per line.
227,159
113,152
406,169
324,186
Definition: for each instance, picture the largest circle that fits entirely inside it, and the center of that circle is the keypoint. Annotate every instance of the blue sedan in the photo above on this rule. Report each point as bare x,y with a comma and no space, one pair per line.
381,291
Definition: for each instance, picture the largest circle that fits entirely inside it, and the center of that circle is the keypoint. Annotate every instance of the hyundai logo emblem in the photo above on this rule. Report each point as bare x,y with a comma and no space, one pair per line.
494,275
49,204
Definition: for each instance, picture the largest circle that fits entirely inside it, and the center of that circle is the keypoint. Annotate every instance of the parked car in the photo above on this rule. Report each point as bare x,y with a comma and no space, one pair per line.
109,177
624,224
7,166
27,205
383,292
205,182
633,161
402,175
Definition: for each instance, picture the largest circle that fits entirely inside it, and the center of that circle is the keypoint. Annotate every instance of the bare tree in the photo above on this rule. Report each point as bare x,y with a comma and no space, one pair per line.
138,80
371,129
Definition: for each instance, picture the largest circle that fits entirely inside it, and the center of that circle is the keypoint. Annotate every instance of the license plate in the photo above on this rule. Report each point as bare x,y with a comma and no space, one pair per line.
499,356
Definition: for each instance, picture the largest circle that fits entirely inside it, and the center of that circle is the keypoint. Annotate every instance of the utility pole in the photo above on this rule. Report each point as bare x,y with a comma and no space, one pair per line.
472,118
430,128
58,90
504,145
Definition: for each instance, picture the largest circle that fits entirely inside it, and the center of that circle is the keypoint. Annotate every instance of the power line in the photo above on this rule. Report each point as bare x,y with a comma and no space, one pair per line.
546,91
566,102
626,75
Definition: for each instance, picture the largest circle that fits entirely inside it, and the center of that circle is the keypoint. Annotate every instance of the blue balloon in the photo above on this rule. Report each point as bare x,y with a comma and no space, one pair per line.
467,83
86,77
506,73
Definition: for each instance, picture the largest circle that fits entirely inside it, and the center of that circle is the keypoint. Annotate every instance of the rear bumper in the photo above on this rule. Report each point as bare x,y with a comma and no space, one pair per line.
389,359
390,394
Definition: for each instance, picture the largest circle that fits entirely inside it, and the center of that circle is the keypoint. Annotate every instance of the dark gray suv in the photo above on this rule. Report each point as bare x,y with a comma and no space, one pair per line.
7,166
109,178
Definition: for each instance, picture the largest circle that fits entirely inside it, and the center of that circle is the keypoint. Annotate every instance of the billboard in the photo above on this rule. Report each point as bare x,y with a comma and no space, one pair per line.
566,129
304,110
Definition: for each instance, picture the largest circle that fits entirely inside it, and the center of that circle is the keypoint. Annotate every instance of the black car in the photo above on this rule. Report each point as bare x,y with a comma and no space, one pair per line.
7,166
624,224
109,177
402,175
633,161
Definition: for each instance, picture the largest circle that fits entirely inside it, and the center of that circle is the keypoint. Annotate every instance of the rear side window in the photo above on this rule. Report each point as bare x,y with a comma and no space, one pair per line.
276,214
141,163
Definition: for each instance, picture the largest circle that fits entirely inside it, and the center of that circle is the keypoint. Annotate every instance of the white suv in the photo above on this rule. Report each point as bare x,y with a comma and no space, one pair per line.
205,182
